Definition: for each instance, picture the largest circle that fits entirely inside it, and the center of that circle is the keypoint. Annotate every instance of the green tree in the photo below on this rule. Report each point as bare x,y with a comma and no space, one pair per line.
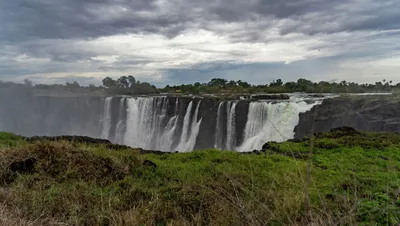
232,83
73,85
304,85
243,84
278,82
123,82
131,81
109,82
218,82
290,86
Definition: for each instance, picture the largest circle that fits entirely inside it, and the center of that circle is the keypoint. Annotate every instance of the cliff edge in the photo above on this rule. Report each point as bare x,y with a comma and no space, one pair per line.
365,113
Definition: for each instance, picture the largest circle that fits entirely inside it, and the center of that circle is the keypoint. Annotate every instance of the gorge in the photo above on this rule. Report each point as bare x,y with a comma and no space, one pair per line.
179,124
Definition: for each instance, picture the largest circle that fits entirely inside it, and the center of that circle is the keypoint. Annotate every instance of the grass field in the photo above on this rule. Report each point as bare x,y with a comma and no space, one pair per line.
342,177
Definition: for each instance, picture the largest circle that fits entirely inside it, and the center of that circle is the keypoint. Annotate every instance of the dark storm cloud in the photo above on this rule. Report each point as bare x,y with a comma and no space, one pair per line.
24,19
368,15
239,10
78,19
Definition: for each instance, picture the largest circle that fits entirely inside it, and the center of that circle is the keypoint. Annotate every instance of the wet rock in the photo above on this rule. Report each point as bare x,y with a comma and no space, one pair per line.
143,152
298,140
149,163
269,146
316,95
270,97
266,146
366,113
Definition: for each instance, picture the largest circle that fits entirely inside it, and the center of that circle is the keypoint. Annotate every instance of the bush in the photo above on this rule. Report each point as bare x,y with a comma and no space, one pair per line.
327,144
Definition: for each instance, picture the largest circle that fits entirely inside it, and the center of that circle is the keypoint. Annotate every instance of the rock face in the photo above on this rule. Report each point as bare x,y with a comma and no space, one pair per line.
316,95
270,97
365,113
165,123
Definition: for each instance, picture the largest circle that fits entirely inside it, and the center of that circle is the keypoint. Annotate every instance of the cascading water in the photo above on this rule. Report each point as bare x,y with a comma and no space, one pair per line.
106,118
185,128
121,125
231,126
189,130
158,120
194,130
148,127
167,140
141,123
162,123
154,123
271,122
219,125
225,136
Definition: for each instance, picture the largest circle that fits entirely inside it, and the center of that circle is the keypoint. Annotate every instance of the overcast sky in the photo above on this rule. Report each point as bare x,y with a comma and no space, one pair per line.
181,41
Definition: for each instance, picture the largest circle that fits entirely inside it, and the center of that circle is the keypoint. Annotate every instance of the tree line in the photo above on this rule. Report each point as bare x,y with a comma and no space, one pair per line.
219,85
128,85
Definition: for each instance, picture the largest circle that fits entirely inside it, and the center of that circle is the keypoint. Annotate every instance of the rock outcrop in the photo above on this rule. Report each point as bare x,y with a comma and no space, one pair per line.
270,97
364,113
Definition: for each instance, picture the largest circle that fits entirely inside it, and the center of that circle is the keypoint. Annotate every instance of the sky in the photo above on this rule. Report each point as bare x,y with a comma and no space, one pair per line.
182,41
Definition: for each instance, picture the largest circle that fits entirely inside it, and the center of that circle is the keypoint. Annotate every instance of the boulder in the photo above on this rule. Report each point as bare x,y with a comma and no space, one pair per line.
316,95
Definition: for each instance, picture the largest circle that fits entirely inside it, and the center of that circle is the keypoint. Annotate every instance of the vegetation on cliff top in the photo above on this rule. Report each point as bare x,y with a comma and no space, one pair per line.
128,85
352,179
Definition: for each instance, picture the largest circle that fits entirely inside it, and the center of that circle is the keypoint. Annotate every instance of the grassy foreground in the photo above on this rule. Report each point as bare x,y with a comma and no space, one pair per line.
353,178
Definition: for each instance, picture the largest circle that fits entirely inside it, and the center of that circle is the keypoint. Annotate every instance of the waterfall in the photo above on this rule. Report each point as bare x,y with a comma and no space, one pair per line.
121,125
148,127
106,118
271,122
145,122
231,126
194,130
218,130
159,115
167,140
190,129
140,123
225,136
185,127
162,123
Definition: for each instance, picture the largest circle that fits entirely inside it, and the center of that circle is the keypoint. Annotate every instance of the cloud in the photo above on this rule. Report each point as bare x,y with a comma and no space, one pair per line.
159,40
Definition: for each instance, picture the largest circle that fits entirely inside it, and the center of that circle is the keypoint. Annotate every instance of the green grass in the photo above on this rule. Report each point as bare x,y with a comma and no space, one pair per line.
354,180
9,140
